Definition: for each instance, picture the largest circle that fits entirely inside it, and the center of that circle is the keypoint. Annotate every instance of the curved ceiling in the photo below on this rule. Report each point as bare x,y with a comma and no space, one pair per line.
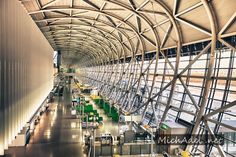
104,30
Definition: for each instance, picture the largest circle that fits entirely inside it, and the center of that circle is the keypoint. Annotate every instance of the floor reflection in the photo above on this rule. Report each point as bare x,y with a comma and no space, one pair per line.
56,135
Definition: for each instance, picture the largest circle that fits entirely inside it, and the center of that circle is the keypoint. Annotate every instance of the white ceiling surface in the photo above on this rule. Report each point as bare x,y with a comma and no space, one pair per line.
114,28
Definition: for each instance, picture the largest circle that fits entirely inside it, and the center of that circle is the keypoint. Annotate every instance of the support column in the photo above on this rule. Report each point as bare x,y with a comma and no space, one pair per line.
58,60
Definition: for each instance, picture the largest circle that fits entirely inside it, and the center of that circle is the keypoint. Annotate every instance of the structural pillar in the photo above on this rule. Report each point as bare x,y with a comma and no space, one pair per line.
58,60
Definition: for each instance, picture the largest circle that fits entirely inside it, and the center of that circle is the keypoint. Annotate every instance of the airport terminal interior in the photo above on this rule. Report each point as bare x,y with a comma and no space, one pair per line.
120,78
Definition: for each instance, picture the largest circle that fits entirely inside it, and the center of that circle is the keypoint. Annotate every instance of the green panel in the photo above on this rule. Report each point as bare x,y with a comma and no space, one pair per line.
88,108
109,114
115,117
100,119
101,102
106,108
97,101
113,110
95,112
79,108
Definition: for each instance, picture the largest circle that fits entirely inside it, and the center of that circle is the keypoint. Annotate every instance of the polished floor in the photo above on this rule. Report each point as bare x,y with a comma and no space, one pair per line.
108,125
57,135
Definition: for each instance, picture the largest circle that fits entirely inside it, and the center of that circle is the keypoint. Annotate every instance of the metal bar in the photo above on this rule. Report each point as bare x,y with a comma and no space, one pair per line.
221,151
189,94
142,5
193,26
153,97
230,21
166,35
210,68
221,109
175,8
49,4
196,58
189,9
221,124
227,44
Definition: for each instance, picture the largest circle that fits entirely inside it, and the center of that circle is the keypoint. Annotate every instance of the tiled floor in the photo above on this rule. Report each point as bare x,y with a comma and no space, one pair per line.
57,134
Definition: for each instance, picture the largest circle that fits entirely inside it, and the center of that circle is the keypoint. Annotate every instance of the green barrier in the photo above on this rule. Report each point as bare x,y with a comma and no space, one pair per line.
95,111
109,111
106,108
90,112
100,103
96,101
88,108
100,119
113,110
79,108
115,117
